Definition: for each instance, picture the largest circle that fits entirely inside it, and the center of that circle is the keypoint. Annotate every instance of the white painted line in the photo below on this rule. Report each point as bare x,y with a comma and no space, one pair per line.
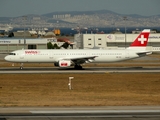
96,111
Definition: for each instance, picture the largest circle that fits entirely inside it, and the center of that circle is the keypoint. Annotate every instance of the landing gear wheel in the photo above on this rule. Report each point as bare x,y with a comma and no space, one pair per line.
78,67
21,67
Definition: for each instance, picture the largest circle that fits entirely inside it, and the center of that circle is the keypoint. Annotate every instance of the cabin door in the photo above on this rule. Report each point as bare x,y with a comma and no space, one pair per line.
22,56
51,55
127,54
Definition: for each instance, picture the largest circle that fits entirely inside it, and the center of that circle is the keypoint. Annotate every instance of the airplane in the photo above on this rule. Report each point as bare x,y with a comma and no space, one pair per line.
77,57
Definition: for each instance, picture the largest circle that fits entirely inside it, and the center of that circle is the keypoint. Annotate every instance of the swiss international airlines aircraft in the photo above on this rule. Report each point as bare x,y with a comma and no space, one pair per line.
76,57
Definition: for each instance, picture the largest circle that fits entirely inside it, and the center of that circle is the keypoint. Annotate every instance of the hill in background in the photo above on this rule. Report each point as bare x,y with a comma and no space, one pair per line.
101,18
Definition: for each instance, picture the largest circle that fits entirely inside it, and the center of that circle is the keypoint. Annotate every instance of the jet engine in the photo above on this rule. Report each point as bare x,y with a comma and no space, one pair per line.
63,63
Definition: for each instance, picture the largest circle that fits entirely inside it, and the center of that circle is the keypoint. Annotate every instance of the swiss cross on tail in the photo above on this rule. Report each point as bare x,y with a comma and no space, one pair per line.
142,39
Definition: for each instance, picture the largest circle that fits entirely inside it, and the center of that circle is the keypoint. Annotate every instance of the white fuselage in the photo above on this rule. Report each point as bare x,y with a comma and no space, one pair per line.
51,56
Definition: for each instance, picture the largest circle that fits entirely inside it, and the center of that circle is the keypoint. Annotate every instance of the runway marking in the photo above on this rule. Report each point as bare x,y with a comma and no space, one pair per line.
97,111
104,70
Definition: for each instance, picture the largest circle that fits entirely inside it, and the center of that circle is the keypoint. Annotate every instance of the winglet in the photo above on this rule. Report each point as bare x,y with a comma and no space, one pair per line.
142,39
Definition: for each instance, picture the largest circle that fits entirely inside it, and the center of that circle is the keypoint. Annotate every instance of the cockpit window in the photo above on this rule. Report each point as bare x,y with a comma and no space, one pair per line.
12,53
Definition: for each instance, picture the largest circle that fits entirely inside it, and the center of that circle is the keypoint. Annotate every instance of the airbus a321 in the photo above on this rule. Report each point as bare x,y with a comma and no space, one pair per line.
77,57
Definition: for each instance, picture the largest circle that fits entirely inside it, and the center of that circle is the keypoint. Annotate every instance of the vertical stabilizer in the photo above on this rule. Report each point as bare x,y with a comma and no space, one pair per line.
141,41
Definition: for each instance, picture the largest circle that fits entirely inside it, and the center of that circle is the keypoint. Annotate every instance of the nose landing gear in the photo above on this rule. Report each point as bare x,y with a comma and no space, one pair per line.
21,67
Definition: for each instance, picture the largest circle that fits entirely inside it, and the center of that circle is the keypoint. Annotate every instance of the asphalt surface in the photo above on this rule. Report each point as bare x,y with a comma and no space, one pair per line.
81,113
15,70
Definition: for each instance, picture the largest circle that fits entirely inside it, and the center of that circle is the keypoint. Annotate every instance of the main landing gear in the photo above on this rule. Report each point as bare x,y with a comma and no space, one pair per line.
78,67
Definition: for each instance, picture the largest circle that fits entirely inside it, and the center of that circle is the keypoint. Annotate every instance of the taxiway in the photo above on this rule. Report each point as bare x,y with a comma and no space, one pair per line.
85,70
82,113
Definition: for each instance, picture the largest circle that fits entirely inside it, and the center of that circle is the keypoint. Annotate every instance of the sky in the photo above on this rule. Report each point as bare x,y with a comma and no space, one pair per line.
16,8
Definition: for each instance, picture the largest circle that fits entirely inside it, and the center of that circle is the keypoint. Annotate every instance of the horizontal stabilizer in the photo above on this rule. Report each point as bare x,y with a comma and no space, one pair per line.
144,53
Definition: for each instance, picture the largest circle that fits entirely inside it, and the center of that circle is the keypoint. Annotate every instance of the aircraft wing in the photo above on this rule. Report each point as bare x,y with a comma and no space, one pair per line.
81,60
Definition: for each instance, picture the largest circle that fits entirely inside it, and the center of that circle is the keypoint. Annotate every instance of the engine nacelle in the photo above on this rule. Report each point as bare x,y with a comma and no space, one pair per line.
63,63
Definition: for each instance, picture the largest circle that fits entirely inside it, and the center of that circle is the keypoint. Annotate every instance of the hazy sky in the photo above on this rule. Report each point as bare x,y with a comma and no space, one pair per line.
15,8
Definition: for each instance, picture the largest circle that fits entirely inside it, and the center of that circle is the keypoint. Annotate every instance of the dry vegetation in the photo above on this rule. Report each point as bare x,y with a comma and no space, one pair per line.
88,89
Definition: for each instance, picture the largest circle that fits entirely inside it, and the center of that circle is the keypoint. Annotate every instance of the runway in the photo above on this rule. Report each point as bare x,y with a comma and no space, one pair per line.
85,70
82,113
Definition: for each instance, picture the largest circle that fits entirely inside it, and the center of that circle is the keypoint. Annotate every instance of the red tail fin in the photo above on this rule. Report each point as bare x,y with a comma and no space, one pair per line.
142,39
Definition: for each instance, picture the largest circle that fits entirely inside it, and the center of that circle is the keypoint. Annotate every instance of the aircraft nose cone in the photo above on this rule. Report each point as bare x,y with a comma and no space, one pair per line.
6,58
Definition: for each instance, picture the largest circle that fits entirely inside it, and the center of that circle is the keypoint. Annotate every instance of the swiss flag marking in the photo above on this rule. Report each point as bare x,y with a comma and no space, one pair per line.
142,39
